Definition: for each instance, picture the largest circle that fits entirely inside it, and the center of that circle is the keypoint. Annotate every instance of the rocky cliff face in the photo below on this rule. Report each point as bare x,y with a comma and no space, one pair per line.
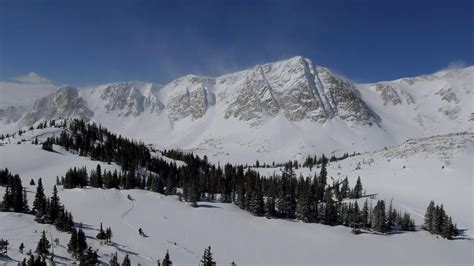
126,99
189,96
64,103
299,90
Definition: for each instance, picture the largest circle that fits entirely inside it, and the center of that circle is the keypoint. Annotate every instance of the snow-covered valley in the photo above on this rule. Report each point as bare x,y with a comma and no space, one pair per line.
420,170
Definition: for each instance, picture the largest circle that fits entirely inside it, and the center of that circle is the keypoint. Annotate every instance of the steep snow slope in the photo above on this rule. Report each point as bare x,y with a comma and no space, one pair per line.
272,112
426,105
236,235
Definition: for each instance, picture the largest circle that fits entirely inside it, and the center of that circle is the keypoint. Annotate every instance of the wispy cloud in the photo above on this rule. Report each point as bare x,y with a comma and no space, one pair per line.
31,77
457,64
23,90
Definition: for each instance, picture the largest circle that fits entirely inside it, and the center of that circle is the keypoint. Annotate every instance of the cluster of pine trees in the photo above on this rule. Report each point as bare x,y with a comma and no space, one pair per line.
438,222
47,145
88,139
105,235
3,247
384,221
14,198
311,161
114,261
280,196
286,196
50,210
79,249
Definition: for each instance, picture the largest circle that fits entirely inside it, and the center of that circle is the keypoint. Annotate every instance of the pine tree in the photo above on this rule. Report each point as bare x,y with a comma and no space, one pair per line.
429,217
357,192
55,207
365,214
356,216
167,261
439,219
31,261
303,207
391,216
81,246
3,247
98,172
114,260
345,190
90,257
330,212
258,208
43,246
108,235
101,235
380,221
72,245
126,261
25,207
207,259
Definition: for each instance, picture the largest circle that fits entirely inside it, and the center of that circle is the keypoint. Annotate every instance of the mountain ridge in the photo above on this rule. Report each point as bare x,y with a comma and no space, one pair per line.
290,107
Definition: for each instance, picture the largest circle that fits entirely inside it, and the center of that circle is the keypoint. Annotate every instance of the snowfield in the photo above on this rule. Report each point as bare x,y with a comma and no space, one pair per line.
412,179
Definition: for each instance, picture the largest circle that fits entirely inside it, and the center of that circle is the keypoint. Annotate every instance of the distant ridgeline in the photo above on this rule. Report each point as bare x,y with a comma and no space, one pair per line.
309,199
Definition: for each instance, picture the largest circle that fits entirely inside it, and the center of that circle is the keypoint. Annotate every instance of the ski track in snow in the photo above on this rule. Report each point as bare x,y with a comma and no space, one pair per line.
171,243
417,212
128,212
174,244
124,220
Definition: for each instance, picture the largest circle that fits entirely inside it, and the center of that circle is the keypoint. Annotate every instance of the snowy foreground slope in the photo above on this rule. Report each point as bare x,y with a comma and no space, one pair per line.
236,235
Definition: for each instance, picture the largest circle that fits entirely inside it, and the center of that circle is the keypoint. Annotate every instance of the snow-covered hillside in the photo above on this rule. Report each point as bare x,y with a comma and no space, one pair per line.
271,112
419,170
411,173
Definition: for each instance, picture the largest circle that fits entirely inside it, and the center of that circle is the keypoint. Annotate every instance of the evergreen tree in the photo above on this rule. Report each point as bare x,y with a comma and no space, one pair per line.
365,214
3,247
330,212
207,259
114,260
126,261
257,205
108,235
167,261
357,192
345,190
391,216
429,217
101,235
98,172
43,246
55,207
90,257
72,245
303,207
356,216
380,221
81,245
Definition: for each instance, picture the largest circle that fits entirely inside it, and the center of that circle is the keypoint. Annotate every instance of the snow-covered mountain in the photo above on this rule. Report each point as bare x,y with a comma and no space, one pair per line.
275,111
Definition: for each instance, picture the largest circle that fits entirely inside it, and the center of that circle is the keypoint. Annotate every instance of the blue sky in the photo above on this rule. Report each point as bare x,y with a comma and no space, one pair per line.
90,42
